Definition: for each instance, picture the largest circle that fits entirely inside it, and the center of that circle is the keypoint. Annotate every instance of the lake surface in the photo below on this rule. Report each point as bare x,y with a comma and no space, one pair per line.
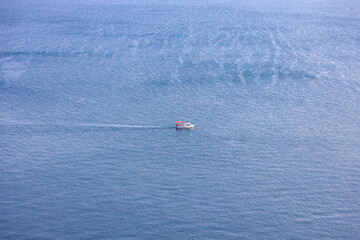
90,92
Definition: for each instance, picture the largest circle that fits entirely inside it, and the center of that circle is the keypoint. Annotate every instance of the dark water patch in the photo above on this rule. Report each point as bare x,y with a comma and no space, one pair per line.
294,75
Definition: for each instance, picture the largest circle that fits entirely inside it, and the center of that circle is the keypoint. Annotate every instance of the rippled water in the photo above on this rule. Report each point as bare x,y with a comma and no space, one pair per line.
89,93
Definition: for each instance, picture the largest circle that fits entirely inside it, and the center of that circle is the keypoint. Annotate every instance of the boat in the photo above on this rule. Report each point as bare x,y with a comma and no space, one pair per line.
182,125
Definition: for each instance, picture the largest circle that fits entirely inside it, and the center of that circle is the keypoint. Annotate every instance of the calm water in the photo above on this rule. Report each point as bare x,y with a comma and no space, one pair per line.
89,93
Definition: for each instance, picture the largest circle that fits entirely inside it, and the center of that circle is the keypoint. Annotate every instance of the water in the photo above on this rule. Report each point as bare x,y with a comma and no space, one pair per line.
89,93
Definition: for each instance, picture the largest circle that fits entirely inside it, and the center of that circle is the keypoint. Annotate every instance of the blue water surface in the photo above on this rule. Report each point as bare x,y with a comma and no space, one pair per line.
90,91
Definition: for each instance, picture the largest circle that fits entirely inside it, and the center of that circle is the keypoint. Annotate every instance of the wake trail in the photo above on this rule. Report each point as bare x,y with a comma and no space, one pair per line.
83,125
120,126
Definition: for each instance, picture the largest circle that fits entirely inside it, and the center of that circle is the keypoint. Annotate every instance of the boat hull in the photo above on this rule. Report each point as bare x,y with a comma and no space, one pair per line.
185,127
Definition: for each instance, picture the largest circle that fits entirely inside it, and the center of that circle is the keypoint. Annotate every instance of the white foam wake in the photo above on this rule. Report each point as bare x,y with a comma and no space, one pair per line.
80,125
118,126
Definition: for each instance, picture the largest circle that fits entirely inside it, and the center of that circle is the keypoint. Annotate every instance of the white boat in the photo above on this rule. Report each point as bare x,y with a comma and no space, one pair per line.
182,125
